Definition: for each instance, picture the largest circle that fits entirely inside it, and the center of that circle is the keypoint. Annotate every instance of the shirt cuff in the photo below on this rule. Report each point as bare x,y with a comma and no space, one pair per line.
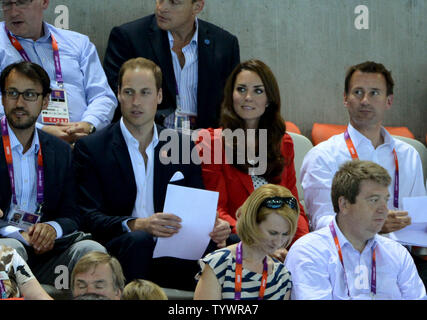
92,120
57,227
13,232
125,225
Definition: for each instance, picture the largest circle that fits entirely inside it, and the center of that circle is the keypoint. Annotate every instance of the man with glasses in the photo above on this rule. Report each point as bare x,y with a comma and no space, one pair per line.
81,100
195,56
347,259
38,215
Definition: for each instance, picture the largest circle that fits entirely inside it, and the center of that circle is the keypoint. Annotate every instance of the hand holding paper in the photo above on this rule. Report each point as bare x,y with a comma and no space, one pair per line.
197,210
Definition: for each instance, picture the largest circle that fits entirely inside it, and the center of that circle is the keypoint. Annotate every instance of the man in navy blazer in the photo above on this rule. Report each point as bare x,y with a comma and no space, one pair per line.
54,239
122,183
168,38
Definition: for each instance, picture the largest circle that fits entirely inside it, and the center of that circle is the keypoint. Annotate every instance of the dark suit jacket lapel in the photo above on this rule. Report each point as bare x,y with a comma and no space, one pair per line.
161,49
160,181
5,190
121,153
206,45
49,168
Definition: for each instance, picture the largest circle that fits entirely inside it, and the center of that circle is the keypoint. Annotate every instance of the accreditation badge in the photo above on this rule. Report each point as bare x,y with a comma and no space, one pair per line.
57,110
22,219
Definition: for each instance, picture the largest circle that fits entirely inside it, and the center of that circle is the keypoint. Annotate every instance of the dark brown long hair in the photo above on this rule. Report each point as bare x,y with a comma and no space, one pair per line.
270,120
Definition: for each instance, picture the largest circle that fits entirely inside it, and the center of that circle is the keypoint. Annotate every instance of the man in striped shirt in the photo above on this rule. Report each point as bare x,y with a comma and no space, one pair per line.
195,56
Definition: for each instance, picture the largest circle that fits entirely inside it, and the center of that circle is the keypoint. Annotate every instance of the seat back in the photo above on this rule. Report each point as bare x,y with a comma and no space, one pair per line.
292,127
323,131
301,146
422,150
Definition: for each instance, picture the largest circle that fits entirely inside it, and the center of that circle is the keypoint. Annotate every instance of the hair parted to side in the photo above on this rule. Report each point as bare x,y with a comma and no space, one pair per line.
95,258
30,70
350,175
370,67
140,289
252,213
144,64
270,120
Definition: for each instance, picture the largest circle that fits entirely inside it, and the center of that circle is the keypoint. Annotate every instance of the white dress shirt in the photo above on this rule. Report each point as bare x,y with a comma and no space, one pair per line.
25,174
144,175
323,161
317,272
186,78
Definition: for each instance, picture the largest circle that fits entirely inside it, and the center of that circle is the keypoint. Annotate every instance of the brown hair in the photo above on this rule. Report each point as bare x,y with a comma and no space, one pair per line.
370,67
348,178
141,63
94,258
143,290
30,70
270,120
252,213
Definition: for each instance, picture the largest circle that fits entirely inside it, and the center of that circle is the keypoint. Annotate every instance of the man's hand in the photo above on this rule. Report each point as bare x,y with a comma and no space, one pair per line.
1,213
280,254
159,224
41,237
69,132
396,220
220,232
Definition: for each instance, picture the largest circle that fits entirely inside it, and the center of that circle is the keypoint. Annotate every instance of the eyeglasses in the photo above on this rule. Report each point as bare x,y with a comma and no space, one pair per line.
27,95
278,202
20,4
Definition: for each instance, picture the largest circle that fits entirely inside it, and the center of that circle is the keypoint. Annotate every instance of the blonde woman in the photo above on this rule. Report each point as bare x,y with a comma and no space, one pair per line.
266,221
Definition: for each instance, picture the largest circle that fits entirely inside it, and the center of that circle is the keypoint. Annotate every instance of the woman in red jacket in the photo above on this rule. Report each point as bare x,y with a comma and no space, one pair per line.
235,167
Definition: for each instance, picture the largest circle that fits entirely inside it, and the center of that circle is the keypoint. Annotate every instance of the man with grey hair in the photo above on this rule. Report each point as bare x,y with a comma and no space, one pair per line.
98,273
348,259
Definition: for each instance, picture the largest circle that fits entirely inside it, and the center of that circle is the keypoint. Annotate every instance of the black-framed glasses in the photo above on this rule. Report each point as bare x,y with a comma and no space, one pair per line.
278,202
20,4
27,95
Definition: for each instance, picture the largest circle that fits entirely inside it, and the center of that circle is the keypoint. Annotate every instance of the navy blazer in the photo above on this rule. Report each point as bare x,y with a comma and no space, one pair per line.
106,182
218,52
59,189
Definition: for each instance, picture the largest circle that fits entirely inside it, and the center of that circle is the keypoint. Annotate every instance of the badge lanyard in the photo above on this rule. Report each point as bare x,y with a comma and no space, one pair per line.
57,61
9,162
238,281
374,263
355,156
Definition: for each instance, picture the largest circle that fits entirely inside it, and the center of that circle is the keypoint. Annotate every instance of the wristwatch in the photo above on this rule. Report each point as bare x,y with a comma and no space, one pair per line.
92,129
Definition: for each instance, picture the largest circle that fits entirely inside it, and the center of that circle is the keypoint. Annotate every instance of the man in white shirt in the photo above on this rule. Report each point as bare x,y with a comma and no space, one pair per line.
368,95
347,259
122,183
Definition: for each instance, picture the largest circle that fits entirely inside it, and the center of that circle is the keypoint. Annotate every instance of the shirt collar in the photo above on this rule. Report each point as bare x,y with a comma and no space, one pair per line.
16,145
44,38
194,39
130,139
359,138
343,240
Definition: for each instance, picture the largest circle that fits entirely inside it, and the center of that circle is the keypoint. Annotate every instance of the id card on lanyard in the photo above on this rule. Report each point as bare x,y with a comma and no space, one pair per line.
57,110
18,217
355,156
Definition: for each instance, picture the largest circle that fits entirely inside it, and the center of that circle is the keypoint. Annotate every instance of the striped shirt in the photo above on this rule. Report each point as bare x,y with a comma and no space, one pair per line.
223,264
186,78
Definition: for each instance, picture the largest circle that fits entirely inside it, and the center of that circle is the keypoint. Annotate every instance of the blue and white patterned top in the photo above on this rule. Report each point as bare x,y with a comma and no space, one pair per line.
223,264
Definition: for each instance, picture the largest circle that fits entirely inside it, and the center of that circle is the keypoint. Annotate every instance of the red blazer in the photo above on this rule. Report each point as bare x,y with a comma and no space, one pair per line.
234,186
